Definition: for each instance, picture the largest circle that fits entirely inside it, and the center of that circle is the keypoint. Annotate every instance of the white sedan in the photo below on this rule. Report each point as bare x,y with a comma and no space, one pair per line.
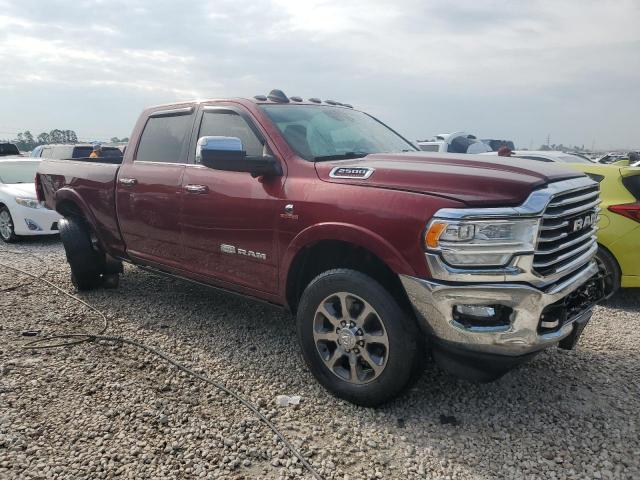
20,211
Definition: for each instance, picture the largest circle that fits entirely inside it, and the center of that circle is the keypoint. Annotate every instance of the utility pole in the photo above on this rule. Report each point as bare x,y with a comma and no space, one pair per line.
549,139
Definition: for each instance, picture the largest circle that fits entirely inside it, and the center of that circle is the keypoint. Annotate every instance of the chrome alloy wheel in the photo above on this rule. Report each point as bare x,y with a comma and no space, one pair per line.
6,225
350,337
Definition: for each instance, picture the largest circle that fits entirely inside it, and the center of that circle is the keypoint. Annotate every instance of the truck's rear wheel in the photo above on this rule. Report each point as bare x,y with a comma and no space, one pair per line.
355,338
87,264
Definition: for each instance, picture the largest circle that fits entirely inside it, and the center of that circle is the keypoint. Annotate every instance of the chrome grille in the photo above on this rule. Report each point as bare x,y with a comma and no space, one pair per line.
560,248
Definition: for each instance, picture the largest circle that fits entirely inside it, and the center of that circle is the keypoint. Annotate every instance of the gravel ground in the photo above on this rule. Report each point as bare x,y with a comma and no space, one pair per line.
104,411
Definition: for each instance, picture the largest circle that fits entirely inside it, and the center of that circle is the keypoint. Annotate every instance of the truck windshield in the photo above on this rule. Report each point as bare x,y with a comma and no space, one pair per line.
23,171
319,132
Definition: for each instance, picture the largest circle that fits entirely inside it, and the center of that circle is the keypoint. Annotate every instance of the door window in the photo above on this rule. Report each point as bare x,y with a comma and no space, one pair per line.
230,124
164,139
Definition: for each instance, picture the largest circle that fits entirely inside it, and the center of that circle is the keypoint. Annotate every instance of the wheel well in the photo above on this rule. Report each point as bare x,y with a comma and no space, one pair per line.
314,259
68,208
601,246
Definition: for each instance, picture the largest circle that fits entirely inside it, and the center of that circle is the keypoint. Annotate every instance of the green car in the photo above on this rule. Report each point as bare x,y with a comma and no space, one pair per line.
619,225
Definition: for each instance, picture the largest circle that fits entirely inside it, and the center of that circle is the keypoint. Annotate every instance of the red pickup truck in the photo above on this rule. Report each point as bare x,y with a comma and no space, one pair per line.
383,252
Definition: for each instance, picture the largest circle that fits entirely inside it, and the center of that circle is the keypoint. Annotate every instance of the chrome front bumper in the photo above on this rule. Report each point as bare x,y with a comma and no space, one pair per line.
434,303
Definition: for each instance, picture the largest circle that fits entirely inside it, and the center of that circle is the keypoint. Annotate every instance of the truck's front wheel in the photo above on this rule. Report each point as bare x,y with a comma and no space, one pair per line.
357,341
87,264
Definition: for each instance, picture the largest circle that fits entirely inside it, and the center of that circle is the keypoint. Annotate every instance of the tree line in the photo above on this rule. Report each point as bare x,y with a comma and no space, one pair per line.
25,141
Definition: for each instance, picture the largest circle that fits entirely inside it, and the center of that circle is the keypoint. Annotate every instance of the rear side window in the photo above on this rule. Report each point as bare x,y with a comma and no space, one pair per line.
230,124
164,139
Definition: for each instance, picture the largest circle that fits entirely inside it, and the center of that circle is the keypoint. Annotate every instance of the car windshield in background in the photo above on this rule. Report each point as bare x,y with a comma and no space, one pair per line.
18,172
321,132
8,149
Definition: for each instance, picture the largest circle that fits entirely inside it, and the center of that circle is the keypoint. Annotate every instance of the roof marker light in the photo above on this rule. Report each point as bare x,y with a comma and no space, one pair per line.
278,96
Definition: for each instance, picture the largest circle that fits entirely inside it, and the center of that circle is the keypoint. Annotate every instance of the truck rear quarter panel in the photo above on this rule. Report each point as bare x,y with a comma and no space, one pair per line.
91,189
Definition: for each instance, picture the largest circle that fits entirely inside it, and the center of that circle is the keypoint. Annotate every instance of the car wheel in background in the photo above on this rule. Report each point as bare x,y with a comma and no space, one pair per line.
356,339
610,269
7,231
87,264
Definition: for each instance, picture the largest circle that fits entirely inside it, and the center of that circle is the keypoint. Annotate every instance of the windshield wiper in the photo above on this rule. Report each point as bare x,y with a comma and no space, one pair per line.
341,156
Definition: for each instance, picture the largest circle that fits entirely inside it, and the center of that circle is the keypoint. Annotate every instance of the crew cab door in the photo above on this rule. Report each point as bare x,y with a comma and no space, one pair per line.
229,218
149,189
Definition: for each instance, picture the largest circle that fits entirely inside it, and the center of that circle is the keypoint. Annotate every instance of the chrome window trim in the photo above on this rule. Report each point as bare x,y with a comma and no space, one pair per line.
138,162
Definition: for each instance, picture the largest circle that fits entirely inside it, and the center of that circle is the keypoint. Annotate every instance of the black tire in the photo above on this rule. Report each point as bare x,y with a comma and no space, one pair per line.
405,352
8,235
110,280
610,270
87,264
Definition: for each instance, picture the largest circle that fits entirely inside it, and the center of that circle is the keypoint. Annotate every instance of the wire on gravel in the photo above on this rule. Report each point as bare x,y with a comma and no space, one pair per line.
78,338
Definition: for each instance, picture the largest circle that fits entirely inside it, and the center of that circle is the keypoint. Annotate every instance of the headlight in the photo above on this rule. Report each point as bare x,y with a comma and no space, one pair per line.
28,202
483,243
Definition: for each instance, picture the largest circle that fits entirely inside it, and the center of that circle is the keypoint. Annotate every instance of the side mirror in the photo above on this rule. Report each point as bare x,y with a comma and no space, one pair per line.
227,153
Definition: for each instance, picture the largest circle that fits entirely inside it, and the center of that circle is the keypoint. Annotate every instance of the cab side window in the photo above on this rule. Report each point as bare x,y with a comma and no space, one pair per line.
165,139
230,124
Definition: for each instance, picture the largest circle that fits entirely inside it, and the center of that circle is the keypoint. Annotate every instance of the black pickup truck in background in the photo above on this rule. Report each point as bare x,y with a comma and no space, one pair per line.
8,149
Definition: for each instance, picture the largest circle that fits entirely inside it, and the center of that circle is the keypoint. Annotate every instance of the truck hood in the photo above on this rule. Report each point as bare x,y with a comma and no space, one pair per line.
477,180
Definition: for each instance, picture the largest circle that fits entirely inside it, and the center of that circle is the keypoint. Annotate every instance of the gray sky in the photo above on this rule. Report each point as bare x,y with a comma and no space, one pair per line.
501,69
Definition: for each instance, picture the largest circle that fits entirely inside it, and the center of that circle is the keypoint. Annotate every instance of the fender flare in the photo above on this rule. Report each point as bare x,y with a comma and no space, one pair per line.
343,232
65,194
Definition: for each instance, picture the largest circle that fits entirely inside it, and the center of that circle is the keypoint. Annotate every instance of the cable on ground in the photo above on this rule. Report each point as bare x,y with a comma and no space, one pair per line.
77,338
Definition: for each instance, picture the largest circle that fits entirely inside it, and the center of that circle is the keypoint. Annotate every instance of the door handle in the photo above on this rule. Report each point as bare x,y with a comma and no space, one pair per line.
127,182
196,188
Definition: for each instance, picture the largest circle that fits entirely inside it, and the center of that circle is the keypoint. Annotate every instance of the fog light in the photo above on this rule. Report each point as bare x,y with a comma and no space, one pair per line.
475,310
31,225
482,316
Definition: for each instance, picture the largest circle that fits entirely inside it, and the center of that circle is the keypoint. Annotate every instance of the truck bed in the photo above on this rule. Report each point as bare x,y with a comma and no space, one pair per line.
91,185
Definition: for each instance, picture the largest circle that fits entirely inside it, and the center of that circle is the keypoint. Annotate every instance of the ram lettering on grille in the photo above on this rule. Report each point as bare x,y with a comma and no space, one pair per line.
567,236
